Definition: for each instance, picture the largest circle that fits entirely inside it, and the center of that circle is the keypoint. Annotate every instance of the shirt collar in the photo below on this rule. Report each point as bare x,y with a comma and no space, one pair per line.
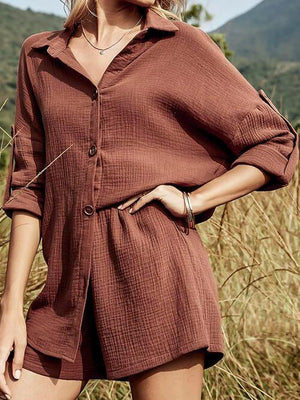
58,40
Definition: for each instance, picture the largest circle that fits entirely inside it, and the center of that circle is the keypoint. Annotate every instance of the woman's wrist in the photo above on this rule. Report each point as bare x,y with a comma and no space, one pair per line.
198,203
10,302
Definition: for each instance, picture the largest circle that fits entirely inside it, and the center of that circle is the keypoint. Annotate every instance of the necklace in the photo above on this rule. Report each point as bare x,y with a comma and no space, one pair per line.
101,50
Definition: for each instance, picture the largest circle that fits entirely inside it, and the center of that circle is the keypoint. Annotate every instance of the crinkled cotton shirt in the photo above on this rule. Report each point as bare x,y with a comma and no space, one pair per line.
169,109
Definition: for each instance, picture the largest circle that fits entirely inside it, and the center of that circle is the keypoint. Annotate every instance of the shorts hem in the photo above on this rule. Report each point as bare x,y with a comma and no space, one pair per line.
40,367
50,374
212,356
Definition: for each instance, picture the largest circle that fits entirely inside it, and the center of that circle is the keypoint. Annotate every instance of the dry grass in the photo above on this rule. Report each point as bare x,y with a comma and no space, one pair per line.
253,243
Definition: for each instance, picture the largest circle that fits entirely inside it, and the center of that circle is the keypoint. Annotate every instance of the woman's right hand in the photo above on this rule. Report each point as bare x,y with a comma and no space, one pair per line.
13,336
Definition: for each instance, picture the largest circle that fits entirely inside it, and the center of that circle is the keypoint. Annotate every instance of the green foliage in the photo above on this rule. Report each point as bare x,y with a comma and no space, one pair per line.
265,43
198,14
268,31
15,26
280,80
221,41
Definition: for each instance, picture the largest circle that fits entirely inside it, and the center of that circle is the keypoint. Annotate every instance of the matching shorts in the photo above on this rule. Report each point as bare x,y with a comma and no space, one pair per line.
143,313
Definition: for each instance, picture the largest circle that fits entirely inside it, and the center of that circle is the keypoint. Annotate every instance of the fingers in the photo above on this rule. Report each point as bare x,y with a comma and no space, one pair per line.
3,385
18,358
128,202
139,204
139,200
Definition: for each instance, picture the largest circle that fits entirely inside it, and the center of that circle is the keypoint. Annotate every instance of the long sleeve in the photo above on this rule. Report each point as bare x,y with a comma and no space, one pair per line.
267,140
25,181
244,119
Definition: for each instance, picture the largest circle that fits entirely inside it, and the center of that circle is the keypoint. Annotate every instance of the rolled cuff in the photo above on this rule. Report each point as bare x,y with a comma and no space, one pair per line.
271,161
27,199
277,153
17,197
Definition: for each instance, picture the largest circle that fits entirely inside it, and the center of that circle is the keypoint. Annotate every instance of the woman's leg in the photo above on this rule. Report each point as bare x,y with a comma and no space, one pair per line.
179,379
33,386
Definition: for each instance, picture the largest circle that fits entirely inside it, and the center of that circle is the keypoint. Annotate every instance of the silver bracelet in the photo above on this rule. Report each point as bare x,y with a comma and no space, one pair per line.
190,218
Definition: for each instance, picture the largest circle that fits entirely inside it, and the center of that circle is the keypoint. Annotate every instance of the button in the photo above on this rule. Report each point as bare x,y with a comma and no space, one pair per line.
93,150
95,94
88,209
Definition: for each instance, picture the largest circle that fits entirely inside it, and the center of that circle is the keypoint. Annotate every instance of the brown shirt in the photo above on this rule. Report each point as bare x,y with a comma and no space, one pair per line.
170,109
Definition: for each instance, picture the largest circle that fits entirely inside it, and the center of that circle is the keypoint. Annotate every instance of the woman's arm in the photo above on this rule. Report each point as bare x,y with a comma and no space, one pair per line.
24,241
228,110
23,203
237,182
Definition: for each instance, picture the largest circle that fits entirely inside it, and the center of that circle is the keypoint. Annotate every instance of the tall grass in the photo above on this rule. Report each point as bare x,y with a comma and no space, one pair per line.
253,244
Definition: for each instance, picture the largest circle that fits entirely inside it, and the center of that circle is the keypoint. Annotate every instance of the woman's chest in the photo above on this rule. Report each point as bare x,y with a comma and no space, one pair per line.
94,60
67,95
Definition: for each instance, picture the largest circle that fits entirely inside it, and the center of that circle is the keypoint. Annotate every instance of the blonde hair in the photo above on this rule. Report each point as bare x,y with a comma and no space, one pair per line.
78,9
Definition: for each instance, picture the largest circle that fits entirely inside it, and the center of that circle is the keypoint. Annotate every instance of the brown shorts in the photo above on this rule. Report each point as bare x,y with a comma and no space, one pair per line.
88,364
145,313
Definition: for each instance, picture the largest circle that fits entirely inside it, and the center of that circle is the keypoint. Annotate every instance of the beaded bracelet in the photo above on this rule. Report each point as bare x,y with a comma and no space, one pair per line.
190,218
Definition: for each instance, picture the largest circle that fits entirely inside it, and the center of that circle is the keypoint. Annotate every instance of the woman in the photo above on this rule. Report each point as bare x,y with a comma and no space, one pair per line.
130,127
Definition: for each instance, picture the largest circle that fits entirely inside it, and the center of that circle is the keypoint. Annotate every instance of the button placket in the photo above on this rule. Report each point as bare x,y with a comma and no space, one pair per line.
89,209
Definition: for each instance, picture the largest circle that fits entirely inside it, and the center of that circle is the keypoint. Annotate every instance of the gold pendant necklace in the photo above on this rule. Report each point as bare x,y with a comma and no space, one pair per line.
101,50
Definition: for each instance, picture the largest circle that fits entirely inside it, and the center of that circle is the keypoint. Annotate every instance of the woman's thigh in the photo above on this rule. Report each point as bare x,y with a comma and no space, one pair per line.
33,386
178,379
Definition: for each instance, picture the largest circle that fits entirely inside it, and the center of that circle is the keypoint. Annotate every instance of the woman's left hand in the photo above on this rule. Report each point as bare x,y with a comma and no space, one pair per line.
168,195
